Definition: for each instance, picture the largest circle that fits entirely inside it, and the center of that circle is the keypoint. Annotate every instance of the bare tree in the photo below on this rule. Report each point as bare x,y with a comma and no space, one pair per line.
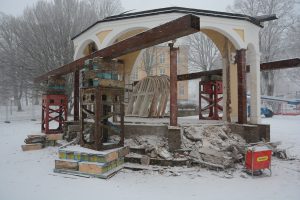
16,73
203,55
40,40
271,36
149,59
105,8
292,50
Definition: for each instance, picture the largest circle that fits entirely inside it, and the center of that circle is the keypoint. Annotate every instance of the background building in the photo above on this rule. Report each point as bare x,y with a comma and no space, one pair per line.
155,61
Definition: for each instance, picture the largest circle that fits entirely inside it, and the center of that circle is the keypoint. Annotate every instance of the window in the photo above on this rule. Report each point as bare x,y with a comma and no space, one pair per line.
151,72
181,90
161,71
135,75
162,58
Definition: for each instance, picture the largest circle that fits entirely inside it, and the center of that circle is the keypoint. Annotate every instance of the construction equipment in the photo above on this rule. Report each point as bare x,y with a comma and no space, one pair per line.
258,158
210,92
54,109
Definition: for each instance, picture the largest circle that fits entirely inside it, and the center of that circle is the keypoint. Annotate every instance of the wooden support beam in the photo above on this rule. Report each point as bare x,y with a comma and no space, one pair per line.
76,95
242,89
196,75
173,85
180,27
280,64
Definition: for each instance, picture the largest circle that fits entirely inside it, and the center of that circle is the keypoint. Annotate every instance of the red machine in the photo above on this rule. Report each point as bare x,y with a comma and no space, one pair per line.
258,158
211,92
54,109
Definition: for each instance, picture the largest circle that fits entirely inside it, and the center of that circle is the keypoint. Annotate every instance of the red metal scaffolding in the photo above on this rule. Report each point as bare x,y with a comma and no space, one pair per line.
210,92
54,109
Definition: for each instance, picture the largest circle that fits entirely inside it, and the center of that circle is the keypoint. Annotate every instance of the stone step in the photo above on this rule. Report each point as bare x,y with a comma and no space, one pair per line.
138,150
137,159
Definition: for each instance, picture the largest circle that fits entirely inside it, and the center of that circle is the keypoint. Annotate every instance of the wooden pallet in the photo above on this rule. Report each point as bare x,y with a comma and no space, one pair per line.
106,175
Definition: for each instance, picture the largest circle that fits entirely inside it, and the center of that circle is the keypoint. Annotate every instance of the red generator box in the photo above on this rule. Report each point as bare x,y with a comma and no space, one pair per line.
258,158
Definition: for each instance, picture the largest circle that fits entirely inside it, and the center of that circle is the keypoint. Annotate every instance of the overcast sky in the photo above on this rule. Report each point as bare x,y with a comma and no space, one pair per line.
15,7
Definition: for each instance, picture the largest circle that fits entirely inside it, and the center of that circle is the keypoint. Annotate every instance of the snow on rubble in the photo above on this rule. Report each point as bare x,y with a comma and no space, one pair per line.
29,175
213,145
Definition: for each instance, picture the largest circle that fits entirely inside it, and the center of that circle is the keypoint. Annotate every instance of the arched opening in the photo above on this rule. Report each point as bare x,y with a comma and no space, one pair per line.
226,48
90,48
86,48
128,59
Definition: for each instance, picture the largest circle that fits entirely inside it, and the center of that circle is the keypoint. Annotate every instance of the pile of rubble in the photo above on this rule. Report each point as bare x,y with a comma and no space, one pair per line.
155,147
211,146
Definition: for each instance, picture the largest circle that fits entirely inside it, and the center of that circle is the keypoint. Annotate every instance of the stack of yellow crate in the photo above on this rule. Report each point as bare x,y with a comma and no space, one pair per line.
83,161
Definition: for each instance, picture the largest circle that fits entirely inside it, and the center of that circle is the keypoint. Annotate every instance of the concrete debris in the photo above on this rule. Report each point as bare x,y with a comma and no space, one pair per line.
278,150
145,160
214,146
164,153
194,133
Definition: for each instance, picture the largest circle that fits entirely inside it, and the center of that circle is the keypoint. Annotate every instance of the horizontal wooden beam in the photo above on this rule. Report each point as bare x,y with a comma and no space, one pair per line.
177,28
275,65
280,64
196,75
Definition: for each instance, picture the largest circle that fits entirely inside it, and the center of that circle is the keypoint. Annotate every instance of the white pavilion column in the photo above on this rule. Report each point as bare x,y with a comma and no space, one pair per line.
255,100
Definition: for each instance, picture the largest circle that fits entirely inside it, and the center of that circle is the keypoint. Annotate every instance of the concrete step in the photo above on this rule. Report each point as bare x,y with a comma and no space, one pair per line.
138,150
136,158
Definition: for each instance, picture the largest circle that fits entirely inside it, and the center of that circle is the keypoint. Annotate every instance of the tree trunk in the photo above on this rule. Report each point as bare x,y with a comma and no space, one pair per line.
36,97
18,102
26,97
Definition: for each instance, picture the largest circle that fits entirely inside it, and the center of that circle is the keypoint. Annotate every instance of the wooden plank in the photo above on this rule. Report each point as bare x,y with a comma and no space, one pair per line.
177,28
30,147
92,168
66,164
58,136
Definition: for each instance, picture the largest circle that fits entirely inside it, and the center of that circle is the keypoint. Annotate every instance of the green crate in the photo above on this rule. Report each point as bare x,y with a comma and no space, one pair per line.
84,157
70,155
77,156
62,154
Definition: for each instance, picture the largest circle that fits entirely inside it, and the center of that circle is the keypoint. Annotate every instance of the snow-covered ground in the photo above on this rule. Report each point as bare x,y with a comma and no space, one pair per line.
29,175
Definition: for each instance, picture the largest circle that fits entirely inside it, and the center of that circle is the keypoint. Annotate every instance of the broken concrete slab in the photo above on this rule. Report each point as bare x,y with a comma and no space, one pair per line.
145,160
164,153
194,133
